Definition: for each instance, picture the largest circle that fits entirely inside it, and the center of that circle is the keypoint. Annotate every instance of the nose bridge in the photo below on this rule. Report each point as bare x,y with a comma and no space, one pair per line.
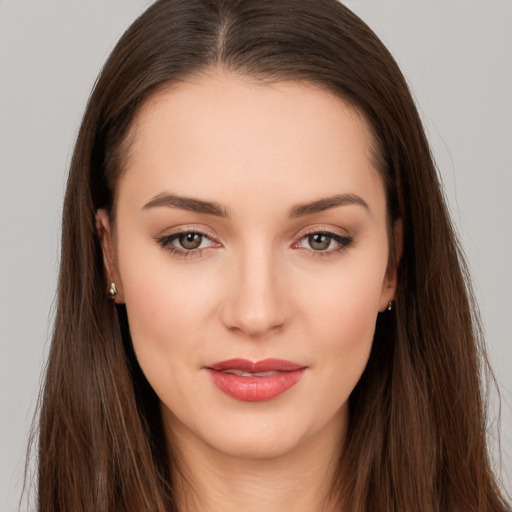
255,304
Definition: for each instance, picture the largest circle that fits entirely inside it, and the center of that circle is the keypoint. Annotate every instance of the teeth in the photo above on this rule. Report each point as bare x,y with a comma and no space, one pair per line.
241,373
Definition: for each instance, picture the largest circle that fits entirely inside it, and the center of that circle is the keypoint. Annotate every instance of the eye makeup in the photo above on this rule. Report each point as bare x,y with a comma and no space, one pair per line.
323,243
191,243
187,243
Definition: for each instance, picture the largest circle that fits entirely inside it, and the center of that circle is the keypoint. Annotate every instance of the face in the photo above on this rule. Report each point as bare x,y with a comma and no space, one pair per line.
251,250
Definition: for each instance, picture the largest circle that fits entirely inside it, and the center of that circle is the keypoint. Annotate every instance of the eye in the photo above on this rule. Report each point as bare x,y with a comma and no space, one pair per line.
324,242
319,241
190,240
186,243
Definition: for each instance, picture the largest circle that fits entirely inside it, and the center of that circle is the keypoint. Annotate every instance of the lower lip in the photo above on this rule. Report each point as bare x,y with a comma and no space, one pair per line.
255,389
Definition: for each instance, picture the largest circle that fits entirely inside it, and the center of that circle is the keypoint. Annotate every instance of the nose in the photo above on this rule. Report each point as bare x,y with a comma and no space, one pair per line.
255,302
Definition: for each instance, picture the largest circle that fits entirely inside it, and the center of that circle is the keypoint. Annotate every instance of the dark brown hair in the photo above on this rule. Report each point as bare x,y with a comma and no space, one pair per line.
417,432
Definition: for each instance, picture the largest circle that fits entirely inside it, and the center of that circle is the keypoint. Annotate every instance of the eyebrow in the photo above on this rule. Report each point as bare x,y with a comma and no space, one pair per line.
216,209
187,203
327,203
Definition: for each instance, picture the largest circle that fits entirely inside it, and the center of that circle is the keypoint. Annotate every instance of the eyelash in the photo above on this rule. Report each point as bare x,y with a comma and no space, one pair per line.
343,241
166,243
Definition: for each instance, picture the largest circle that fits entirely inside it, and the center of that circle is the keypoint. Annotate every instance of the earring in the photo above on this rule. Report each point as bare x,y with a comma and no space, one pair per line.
390,305
112,292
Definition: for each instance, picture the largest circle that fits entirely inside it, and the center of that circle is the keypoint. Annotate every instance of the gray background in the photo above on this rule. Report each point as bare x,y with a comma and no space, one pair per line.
456,56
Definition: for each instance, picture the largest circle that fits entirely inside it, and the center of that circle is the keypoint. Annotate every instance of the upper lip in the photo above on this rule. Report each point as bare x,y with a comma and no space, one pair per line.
265,365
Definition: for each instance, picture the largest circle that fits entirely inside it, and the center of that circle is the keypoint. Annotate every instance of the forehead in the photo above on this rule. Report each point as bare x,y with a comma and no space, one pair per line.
222,133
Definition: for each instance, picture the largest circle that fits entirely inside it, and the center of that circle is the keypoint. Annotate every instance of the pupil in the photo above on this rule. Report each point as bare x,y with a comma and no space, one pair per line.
190,240
319,242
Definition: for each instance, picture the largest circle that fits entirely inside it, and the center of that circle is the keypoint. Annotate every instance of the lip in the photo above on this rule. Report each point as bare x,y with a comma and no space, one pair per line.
285,374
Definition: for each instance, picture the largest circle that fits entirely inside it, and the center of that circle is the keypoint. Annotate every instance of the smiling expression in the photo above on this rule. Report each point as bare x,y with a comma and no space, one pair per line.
251,224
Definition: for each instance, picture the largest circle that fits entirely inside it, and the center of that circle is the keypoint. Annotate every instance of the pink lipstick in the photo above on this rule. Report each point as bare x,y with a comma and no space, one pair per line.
255,381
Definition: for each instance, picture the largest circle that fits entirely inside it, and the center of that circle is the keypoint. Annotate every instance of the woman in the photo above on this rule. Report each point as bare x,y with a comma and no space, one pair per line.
291,325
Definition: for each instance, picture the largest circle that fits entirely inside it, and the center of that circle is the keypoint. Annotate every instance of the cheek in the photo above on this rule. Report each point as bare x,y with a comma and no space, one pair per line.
350,332
160,303
343,315
167,307
345,299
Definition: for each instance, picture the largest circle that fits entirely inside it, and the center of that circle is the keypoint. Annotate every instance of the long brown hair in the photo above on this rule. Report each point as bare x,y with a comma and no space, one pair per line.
417,433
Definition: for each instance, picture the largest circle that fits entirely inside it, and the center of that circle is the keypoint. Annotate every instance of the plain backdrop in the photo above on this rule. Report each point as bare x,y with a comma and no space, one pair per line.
456,55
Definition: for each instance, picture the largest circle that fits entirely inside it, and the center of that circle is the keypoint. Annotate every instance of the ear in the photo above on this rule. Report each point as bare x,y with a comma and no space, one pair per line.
104,230
391,278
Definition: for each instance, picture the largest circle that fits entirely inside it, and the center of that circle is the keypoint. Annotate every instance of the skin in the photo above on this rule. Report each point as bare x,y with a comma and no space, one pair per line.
255,288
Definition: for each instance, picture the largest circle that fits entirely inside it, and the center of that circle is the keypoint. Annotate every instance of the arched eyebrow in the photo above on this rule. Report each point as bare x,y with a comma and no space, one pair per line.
327,203
187,203
213,208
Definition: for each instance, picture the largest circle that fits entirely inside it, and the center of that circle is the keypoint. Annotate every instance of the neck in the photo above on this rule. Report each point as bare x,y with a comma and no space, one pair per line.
299,480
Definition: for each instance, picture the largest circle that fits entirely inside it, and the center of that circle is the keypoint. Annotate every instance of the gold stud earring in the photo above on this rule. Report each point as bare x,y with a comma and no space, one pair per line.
112,292
390,305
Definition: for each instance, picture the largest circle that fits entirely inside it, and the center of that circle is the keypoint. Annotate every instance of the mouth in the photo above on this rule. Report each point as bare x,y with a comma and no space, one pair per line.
255,381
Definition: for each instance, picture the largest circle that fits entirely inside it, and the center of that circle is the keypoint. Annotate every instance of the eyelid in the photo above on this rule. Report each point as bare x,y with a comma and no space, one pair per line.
188,228
341,237
322,228
165,241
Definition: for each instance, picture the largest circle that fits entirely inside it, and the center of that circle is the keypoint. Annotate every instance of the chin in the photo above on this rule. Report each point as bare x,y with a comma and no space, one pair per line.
263,433
266,443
